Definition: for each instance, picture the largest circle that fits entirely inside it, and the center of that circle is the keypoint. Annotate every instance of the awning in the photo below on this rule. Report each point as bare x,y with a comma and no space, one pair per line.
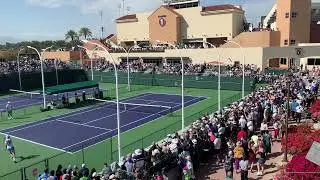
215,62
70,87
177,58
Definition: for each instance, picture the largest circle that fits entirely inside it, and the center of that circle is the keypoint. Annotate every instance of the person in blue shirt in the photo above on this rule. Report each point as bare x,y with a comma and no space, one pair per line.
45,175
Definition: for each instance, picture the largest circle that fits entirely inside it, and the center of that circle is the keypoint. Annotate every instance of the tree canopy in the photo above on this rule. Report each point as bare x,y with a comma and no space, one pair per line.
85,32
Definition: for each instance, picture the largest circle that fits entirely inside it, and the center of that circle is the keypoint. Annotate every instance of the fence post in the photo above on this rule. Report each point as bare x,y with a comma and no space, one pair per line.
46,163
25,175
21,173
111,150
82,152
142,142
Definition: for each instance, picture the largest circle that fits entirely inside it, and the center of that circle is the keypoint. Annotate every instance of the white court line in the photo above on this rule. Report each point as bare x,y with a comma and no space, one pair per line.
86,140
78,124
114,114
159,101
22,139
177,95
158,113
196,98
15,101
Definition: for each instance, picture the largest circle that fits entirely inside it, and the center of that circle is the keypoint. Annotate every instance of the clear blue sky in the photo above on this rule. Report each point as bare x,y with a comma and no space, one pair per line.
50,19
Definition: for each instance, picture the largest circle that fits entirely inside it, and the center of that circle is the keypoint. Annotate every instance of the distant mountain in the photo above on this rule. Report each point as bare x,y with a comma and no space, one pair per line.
4,39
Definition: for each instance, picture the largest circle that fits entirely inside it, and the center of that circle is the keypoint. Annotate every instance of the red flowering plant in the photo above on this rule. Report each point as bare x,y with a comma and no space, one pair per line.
300,139
300,168
315,110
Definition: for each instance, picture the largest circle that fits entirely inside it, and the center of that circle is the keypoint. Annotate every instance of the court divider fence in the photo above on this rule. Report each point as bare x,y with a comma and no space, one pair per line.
105,150
32,80
190,81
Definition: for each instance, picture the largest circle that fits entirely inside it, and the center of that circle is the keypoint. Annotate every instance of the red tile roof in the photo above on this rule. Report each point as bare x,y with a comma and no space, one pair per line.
220,7
92,47
172,10
167,8
129,16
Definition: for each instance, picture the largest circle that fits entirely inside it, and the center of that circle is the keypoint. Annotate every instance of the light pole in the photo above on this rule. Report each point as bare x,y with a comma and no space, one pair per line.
56,67
182,80
117,93
128,66
19,72
219,79
243,61
91,64
42,74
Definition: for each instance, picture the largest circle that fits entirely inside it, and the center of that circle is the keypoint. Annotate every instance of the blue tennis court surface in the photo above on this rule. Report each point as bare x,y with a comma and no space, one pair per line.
24,100
75,131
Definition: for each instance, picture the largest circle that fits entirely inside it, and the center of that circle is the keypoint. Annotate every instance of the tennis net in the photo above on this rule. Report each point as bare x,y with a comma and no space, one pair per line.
145,108
26,94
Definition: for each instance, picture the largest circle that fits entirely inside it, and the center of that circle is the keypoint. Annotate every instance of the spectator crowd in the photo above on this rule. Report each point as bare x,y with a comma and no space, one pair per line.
175,68
31,65
239,137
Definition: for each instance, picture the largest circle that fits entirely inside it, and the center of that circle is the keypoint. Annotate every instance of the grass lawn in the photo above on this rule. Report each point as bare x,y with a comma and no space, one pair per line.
34,156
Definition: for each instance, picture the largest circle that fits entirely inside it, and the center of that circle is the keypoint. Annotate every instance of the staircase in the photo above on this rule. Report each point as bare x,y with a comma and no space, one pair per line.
271,17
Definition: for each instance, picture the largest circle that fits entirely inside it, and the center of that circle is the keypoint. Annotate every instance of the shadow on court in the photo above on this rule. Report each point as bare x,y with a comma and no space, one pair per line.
22,158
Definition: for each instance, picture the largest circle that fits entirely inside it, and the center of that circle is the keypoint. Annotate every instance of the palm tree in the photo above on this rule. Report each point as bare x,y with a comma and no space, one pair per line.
85,32
71,35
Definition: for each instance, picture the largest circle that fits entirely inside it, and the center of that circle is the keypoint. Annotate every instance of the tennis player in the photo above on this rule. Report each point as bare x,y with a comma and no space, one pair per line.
9,110
10,147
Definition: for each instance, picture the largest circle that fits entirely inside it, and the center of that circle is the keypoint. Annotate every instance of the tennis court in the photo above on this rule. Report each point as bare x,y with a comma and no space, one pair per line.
26,99
87,127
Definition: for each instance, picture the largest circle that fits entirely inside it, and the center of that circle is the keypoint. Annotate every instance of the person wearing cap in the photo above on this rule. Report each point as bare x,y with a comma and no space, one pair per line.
9,110
9,145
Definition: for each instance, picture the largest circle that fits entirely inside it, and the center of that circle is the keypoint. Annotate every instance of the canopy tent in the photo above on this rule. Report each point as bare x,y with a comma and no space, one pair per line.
71,87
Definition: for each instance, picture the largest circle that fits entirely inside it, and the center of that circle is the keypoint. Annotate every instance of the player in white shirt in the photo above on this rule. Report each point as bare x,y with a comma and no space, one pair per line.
9,110
9,145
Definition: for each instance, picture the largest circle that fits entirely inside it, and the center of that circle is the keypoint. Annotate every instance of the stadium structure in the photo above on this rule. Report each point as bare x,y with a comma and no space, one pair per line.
287,36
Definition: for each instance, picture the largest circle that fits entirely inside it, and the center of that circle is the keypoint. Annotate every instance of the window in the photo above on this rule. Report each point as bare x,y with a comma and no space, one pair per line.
292,42
286,42
294,14
287,15
313,61
283,61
